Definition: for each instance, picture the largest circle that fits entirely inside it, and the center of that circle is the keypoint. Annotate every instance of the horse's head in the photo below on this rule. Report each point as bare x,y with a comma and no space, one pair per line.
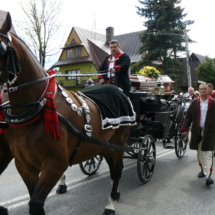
9,65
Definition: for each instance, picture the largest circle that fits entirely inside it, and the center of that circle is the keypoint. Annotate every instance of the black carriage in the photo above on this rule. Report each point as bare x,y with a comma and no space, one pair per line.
157,118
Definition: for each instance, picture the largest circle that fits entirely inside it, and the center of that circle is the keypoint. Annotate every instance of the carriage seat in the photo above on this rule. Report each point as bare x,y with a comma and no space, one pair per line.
135,98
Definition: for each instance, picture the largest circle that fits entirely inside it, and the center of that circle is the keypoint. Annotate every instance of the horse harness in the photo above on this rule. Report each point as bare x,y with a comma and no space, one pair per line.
35,111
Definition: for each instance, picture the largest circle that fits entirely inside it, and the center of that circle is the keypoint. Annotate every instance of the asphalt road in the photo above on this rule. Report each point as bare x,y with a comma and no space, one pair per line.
174,189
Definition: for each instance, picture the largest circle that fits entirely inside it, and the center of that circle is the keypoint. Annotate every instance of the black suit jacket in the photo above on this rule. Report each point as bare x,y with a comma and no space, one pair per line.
121,74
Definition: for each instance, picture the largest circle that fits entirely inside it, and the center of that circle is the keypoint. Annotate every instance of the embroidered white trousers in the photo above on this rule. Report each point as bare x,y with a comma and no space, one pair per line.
205,160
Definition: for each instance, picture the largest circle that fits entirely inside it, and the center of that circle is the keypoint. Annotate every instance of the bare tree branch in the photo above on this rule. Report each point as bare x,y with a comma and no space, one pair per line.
42,26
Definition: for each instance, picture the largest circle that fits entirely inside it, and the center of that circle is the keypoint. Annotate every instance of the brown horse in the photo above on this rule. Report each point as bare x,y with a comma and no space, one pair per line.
39,158
5,153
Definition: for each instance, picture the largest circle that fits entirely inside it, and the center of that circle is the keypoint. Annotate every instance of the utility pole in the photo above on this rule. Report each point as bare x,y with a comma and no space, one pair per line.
187,56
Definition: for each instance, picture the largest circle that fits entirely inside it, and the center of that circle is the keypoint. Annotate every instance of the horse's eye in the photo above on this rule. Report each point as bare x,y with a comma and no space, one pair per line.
3,49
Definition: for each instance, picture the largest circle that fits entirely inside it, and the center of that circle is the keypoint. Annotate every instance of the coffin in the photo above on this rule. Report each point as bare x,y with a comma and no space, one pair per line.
143,83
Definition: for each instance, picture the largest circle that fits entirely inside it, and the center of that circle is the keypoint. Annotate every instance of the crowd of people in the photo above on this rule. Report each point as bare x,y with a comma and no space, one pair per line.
200,121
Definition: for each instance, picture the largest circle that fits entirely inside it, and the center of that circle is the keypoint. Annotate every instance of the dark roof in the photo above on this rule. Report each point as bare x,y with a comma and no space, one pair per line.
72,61
199,57
97,54
86,35
130,43
3,15
73,45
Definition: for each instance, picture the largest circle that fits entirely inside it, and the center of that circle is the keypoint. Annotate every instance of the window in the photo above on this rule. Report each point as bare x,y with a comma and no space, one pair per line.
69,53
76,71
73,41
78,52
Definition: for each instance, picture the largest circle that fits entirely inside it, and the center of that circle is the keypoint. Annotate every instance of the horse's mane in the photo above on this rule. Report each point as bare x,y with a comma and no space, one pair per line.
30,51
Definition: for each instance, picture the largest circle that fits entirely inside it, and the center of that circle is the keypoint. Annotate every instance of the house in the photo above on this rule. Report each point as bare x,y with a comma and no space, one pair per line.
3,15
194,61
85,50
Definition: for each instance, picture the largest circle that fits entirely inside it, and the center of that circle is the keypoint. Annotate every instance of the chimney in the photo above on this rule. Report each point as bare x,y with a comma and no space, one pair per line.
109,34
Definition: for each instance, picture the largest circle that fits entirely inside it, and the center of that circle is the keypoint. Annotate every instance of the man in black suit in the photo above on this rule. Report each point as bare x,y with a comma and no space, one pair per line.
117,64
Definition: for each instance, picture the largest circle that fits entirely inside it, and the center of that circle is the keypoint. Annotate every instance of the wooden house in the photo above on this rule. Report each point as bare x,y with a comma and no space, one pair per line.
194,61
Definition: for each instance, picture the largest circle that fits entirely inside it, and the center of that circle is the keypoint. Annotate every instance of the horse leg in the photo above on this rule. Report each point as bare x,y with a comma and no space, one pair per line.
115,162
5,158
50,174
62,188
30,179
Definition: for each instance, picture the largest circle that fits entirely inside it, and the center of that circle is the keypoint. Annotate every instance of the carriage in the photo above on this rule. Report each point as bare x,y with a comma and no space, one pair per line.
159,116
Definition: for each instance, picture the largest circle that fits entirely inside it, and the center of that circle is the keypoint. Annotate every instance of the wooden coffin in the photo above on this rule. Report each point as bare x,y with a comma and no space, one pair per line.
143,83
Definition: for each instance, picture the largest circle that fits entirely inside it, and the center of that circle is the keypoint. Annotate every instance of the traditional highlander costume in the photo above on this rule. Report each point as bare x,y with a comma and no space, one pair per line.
202,114
121,63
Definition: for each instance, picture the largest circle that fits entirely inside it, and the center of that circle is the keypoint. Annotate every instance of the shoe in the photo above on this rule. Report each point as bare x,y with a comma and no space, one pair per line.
209,181
201,174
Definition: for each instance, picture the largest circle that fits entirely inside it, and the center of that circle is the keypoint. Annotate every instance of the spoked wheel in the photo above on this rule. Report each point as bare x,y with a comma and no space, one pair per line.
146,159
180,143
90,167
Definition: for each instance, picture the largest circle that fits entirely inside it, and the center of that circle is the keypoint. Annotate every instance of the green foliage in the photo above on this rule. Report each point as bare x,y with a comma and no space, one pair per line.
206,71
136,67
164,36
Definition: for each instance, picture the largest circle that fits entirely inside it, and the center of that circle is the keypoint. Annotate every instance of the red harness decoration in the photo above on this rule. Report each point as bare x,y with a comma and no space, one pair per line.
51,125
2,131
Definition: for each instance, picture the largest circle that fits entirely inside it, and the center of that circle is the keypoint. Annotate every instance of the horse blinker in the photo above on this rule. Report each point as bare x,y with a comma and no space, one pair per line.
3,49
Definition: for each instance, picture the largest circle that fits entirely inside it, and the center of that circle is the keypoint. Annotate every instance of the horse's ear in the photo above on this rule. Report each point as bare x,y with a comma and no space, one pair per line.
6,26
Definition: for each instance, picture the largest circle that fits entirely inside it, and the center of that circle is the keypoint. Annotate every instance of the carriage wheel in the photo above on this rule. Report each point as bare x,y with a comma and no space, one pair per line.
146,159
90,167
180,143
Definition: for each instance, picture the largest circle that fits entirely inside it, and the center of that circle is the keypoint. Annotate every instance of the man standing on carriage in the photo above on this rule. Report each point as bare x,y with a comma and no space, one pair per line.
201,114
117,64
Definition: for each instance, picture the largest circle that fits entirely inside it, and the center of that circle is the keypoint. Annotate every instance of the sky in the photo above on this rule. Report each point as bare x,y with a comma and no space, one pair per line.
97,15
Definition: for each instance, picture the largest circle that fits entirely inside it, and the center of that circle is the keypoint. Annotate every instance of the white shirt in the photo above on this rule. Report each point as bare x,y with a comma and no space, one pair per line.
190,97
203,112
111,65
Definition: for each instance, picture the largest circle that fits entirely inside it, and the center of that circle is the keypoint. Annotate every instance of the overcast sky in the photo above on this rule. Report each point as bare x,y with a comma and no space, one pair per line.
121,14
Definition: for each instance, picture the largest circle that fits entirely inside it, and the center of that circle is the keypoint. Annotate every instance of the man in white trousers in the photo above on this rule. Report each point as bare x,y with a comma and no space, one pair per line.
201,114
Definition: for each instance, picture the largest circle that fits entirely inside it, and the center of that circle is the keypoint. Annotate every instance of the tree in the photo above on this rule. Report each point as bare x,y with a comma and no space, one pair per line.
164,36
206,71
41,28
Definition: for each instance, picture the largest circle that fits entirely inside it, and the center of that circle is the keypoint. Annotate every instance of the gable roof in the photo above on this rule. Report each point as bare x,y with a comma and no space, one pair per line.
97,48
3,15
199,57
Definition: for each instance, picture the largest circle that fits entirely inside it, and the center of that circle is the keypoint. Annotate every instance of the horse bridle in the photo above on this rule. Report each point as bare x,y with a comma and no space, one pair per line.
4,53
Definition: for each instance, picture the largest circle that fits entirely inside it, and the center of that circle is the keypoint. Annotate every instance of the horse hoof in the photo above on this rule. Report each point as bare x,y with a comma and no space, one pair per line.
109,212
61,189
3,211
